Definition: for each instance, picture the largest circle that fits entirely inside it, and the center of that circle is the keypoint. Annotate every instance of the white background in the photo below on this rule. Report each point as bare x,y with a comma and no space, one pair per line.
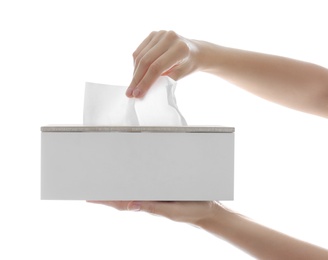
50,48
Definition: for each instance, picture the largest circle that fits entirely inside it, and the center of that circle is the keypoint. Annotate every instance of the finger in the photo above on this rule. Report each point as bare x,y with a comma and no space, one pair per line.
160,43
166,62
144,48
158,208
141,62
186,211
145,59
143,44
119,205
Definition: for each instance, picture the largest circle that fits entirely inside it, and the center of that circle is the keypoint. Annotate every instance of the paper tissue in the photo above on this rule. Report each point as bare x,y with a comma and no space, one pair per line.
108,105
136,149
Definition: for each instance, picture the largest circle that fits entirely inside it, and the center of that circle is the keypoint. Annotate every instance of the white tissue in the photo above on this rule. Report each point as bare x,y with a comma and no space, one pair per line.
108,105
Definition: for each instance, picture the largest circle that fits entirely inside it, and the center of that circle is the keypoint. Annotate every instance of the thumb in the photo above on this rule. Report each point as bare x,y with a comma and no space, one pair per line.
180,70
167,209
176,72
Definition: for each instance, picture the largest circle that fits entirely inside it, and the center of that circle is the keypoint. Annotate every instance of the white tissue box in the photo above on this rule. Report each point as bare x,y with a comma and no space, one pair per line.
137,163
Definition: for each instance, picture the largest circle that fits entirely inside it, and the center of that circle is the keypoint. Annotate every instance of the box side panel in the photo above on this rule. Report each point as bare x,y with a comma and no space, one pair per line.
137,166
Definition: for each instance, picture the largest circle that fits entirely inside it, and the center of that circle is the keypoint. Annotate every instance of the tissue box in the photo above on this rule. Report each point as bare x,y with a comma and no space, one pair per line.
137,163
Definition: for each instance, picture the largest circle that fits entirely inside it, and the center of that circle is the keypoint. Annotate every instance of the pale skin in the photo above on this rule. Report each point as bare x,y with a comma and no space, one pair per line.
296,84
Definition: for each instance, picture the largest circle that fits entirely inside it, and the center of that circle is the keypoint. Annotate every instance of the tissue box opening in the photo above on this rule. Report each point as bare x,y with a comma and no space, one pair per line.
137,163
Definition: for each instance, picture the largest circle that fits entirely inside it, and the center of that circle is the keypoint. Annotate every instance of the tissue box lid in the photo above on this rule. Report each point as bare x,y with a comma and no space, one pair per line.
160,129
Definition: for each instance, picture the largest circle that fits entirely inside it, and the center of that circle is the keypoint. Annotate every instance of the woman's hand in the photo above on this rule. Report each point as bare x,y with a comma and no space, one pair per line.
187,211
255,239
162,53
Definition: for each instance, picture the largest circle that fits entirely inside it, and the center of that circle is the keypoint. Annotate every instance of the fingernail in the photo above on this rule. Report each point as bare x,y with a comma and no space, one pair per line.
135,206
129,92
136,92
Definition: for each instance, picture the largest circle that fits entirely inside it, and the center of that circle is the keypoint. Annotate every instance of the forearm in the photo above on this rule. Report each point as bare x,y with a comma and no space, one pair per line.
257,240
295,84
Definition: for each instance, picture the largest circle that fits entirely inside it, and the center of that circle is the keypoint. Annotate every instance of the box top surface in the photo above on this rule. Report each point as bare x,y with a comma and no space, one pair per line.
132,129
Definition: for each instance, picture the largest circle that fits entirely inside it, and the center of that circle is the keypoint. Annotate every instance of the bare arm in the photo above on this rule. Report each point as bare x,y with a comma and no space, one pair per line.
296,84
255,239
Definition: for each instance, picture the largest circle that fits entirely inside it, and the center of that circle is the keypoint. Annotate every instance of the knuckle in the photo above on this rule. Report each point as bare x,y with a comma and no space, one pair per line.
135,55
144,63
137,59
171,35
152,34
161,32
155,68
182,47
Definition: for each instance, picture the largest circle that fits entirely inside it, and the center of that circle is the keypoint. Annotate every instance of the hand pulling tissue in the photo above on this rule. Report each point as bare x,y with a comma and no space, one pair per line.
136,149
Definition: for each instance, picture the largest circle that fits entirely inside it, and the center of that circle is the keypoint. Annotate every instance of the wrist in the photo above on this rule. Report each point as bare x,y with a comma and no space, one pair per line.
216,216
210,57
